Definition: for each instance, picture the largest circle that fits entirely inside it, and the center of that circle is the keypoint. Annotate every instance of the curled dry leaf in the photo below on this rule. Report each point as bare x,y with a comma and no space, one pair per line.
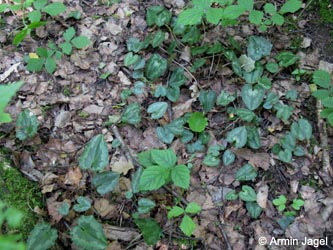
122,166
262,196
103,207
73,176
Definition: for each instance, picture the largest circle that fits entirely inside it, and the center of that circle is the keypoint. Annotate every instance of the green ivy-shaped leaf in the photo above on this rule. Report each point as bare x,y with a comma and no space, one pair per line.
207,99
231,195
258,47
252,97
157,109
239,136
156,67
88,234
134,44
246,173
228,157
42,237
64,208
302,129
83,204
105,182
95,155
285,155
165,134
253,137
247,194
253,209
145,205
158,39
132,114
26,125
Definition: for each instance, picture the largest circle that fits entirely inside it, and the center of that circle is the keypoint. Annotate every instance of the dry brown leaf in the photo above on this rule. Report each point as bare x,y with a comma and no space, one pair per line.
73,176
120,233
122,166
262,196
103,207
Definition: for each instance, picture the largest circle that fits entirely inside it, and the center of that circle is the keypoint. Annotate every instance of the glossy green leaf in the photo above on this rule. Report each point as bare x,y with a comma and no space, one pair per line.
252,97
156,67
193,208
157,109
175,212
83,204
253,209
95,155
153,178
246,173
132,114
180,176
247,194
26,125
187,225
54,9
190,16
258,47
164,157
80,42
150,230
228,157
321,78
238,135
145,205
88,234
105,182
302,129
197,122
42,237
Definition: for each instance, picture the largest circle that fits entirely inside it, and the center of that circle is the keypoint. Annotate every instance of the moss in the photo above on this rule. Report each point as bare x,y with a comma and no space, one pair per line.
17,191
326,12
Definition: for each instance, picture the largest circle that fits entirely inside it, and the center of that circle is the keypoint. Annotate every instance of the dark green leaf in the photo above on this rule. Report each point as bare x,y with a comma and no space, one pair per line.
105,182
156,67
302,129
253,209
83,204
207,99
258,47
224,98
286,58
135,178
95,155
238,135
285,155
157,109
158,39
245,114
132,114
272,67
252,97
26,125
253,138
42,237
246,173
145,205
177,78
134,44
228,157
130,59
288,141
150,230
164,134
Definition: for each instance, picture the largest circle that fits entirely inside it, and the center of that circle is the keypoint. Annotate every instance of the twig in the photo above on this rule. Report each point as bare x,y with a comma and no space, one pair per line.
224,234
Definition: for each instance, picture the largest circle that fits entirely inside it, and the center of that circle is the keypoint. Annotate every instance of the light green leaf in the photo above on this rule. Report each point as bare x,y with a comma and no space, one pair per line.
105,182
246,173
197,122
152,13
42,237
153,178
193,208
26,125
7,92
258,47
35,64
187,225
247,194
238,135
211,160
66,48
214,15
164,157
233,11
302,129
64,208
175,212
35,16
278,19
54,9
245,114
256,17
231,195
291,6
50,65
297,204
224,98
145,158
18,38
253,209
286,58
83,204
190,16
150,230
69,34
269,8
272,67
95,155
80,42
145,205
252,97
246,63
321,78
157,109
156,67
247,4
132,114
285,155
88,234
228,157
180,176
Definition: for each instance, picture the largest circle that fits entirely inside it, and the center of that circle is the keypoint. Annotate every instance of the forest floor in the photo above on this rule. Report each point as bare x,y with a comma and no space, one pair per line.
92,87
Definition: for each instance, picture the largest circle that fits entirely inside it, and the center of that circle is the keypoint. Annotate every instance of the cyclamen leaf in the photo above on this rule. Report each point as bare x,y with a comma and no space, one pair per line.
228,157
64,209
26,125
302,129
153,178
83,204
224,98
42,237
187,225
246,63
134,44
145,205
180,176
258,47
190,16
95,155
132,114
165,134
157,109
253,209
238,135
247,194
158,39
246,173
285,155
156,67
88,234
207,99
131,59
105,182
150,230
252,97
80,42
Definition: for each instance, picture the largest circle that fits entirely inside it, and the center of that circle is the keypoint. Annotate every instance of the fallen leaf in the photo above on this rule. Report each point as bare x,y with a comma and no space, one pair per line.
262,195
103,207
120,233
122,166
73,176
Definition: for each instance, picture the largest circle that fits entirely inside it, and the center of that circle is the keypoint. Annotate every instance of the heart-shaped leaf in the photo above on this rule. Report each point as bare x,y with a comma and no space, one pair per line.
156,67
83,204
247,194
253,209
238,135
246,173
228,157
145,205
246,63
132,114
302,129
252,97
95,155
105,182
207,99
258,47
165,134
157,109
285,155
